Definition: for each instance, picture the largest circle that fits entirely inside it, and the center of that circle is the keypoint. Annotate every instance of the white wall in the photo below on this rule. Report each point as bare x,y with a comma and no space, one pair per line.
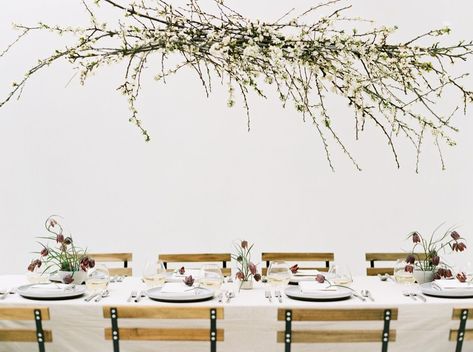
204,181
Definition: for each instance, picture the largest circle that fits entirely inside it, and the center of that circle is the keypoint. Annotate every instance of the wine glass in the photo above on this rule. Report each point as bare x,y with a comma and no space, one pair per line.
97,278
278,274
340,274
154,273
402,275
211,277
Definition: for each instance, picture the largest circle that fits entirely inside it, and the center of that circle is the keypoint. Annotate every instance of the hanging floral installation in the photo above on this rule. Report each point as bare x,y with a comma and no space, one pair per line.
395,87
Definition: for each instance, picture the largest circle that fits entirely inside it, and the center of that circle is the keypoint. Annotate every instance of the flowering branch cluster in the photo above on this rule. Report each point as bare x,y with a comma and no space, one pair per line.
65,255
431,248
396,87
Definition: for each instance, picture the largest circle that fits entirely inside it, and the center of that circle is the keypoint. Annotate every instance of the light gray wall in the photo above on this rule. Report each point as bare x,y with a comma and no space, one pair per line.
204,181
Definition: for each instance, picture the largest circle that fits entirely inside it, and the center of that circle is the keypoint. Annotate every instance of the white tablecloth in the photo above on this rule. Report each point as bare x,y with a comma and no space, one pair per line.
250,321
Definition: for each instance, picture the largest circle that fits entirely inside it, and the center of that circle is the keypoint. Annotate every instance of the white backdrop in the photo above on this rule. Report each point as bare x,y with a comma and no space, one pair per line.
204,181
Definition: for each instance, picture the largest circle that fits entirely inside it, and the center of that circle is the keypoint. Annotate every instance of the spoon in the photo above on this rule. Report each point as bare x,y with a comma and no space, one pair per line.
382,277
408,294
104,294
229,295
366,293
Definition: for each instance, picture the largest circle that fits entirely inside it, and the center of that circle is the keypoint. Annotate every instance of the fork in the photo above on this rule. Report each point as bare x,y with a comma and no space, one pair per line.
5,294
267,294
133,295
140,296
278,295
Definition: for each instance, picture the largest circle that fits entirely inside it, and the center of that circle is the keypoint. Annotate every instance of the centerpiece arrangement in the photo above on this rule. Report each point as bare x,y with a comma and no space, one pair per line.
247,270
427,265
70,261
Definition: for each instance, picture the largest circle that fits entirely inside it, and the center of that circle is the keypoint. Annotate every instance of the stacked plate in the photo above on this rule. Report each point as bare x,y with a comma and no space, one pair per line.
313,291
448,289
178,292
51,291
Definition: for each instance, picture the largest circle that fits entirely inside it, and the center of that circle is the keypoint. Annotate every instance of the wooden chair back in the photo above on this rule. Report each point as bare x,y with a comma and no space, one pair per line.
462,333
372,258
116,334
124,258
298,257
223,258
38,335
290,335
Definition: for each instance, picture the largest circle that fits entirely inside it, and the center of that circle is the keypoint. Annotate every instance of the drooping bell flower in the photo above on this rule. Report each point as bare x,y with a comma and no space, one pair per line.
182,270
60,238
91,263
67,279
435,260
252,268
409,269
410,259
44,252
416,237
68,241
461,277
320,278
240,276
294,268
455,235
244,244
189,280
257,277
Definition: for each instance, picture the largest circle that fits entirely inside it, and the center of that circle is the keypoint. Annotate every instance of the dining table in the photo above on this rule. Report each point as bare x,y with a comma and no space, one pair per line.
250,319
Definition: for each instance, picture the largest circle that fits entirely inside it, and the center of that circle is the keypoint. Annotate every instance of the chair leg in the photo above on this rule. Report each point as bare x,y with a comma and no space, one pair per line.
461,330
39,330
288,331
115,331
385,337
213,330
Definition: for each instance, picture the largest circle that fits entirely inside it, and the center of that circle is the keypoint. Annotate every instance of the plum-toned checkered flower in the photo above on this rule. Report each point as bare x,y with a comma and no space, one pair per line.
435,260
320,278
461,277
182,270
44,252
410,259
67,279
455,235
189,280
294,268
409,268
252,268
416,237
60,238
244,244
240,276
257,277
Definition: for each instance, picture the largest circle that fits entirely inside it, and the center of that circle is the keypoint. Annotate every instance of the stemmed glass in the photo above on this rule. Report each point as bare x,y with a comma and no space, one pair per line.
211,277
154,273
401,275
279,274
97,279
340,275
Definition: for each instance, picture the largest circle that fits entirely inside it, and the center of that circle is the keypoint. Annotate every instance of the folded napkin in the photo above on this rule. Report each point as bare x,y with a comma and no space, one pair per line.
196,273
52,287
306,272
175,287
451,284
314,286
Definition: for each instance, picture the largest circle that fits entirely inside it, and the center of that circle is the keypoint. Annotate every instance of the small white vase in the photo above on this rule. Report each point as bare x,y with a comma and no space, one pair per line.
423,276
246,284
78,276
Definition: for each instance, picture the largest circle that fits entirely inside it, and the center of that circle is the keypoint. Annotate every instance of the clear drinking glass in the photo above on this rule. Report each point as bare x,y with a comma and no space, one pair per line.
340,275
154,273
401,275
211,277
278,274
97,278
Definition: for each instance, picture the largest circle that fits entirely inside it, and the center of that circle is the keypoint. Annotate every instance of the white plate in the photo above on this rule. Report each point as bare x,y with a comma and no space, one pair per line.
428,289
195,295
50,291
295,293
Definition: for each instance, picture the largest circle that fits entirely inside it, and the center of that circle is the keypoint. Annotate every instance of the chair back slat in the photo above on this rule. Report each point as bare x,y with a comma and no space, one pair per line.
22,313
195,257
164,334
162,312
21,335
335,336
456,313
372,258
124,258
467,336
120,271
336,314
302,256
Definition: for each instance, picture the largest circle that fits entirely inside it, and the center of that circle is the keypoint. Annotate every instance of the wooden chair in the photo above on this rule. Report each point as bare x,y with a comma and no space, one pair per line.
124,258
383,336
38,335
462,333
198,258
298,257
116,333
386,257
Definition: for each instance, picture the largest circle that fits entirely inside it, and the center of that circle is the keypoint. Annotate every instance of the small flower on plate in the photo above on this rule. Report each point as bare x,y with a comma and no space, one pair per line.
294,268
182,270
189,280
320,278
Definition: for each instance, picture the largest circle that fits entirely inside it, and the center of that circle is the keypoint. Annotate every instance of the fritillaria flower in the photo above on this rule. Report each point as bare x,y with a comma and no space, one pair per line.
240,276
67,279
320,278
416,237
409,269
91,263
461,277
67,241
294,268
410,259
455,235
60,238
244,244
182,270
252,268
44,252
257,277
458,246
435,260
189,280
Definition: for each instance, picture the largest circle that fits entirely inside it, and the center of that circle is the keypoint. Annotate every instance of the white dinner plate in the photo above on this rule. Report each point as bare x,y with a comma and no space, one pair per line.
195,295
50,291
428,289
339,294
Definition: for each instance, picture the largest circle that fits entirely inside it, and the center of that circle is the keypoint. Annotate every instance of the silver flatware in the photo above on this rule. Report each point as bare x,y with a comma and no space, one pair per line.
132,295
220,297
267,294
104,294
420,296
366,293
91,296
229,295
382,277
5,294
278,295
357,295
409,294
120,278
140,296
